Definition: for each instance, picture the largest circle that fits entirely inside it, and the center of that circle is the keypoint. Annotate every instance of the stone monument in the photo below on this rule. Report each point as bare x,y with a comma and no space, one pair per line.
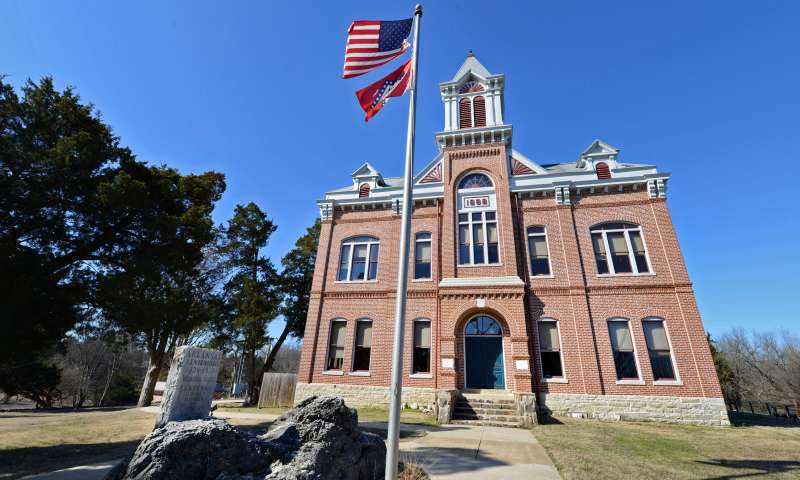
190,385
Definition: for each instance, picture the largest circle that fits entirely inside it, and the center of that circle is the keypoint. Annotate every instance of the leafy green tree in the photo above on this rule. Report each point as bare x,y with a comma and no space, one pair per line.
251,292
162,288
64,208
295,284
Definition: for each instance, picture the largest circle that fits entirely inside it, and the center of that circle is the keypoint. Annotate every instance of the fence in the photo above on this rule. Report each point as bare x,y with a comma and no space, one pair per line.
277,390
778,410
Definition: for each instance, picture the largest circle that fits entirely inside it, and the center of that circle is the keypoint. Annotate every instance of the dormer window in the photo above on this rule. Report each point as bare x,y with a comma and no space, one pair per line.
363,190
603,172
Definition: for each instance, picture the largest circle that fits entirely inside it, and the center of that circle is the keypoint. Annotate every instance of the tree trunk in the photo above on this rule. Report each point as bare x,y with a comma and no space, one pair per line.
273,353
153,370
110,377
251,379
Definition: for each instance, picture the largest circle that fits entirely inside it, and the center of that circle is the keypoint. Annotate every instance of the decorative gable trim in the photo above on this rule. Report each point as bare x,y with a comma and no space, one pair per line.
434,175
519,168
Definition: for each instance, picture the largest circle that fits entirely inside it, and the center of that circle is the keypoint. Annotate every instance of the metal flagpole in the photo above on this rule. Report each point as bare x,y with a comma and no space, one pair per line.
393,438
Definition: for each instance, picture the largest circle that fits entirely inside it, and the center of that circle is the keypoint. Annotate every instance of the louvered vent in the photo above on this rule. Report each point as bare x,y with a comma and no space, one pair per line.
480,111
363,191
464,113
602,170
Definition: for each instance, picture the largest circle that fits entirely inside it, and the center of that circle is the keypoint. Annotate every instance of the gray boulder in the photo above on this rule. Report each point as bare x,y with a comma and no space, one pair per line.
318,440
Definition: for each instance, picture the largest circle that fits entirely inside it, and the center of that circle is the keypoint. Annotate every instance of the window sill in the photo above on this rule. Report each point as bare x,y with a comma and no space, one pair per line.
612,275
555,380
673,383
357,282
537,277
630,382
474,265
421,280
420,375
359,373
337,373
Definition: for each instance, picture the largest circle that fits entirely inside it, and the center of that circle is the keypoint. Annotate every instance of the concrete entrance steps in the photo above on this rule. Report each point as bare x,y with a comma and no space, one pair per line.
486,407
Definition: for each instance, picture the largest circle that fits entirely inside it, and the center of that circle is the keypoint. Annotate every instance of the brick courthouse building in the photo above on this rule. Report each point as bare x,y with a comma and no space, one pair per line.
557,287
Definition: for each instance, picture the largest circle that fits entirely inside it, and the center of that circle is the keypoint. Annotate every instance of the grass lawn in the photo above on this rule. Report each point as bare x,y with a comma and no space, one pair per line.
589,449
33,442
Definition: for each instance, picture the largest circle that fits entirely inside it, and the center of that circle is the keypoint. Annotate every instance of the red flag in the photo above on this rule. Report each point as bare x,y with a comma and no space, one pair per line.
395,84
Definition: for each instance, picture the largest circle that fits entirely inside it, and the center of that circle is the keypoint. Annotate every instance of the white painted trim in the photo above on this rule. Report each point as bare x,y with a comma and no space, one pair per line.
546,244
420,375
328,344
598,228
333,372
672,357
627,381
360,373
430,349
563,377
507,281
352,371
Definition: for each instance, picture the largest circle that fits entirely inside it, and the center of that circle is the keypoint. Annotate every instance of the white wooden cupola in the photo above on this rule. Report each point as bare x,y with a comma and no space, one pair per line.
600,157
366,178
473,106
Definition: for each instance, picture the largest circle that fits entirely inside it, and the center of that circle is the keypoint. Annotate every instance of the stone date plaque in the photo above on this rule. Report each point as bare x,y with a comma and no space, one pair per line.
190,385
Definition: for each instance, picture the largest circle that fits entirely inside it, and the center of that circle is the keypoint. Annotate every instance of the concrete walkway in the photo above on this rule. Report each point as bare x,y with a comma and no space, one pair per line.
445,452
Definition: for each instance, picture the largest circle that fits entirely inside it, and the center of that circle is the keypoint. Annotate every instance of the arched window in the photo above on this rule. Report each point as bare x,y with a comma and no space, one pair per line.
479,111
363,190
483,325
422,255
465,113
477,221
619,248
358,259
538,251
602,170
475,180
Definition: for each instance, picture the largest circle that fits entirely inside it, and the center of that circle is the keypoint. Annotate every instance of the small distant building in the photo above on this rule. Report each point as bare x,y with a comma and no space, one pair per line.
561,284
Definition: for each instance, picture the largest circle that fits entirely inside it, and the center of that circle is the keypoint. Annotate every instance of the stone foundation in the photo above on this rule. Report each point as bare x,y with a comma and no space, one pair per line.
686,410
365,395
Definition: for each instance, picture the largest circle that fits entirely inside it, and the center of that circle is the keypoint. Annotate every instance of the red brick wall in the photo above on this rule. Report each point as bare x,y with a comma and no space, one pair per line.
574,294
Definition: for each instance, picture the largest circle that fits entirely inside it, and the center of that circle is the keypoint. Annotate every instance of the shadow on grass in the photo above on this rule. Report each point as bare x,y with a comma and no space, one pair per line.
744,419
761,467
31,460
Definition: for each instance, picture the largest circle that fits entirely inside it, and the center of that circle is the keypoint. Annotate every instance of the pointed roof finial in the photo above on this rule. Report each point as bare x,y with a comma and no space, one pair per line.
470,54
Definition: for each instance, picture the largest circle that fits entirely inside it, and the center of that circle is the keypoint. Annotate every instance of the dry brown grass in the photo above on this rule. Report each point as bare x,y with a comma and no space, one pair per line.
34,442
588,449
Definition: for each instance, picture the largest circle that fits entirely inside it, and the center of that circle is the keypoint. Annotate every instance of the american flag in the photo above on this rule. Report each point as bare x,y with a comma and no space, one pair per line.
372,43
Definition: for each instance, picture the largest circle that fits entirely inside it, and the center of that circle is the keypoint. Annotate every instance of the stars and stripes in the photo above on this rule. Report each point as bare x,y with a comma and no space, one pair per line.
373,97
372,43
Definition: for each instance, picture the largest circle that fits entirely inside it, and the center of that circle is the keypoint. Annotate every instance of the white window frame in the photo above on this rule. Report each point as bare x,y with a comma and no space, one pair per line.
628,381
429,373
530,255
677,380
353,371
470,224
631,258
352,243
563,377
328,371
414,269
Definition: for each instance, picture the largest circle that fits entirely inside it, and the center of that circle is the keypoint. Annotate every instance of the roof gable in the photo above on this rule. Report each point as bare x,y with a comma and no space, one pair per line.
471,66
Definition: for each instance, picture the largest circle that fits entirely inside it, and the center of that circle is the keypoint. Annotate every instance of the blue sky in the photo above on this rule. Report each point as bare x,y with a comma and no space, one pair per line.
709,91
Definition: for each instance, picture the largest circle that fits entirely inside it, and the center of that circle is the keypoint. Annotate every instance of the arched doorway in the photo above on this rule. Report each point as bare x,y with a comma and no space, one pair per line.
483,354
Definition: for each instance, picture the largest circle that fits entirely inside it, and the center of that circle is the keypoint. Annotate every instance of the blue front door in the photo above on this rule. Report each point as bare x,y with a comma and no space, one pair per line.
484,362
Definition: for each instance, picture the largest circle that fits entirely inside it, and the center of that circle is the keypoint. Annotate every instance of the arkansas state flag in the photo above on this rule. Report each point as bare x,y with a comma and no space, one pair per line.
374,96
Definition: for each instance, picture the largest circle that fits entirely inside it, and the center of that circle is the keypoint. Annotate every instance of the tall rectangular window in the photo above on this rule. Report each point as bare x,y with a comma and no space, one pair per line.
477,238
658,348
550,349
622,346
422,347
363,345
537,249
336,345
422,255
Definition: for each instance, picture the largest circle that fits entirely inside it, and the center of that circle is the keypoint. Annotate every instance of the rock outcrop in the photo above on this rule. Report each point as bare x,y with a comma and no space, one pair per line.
318,440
